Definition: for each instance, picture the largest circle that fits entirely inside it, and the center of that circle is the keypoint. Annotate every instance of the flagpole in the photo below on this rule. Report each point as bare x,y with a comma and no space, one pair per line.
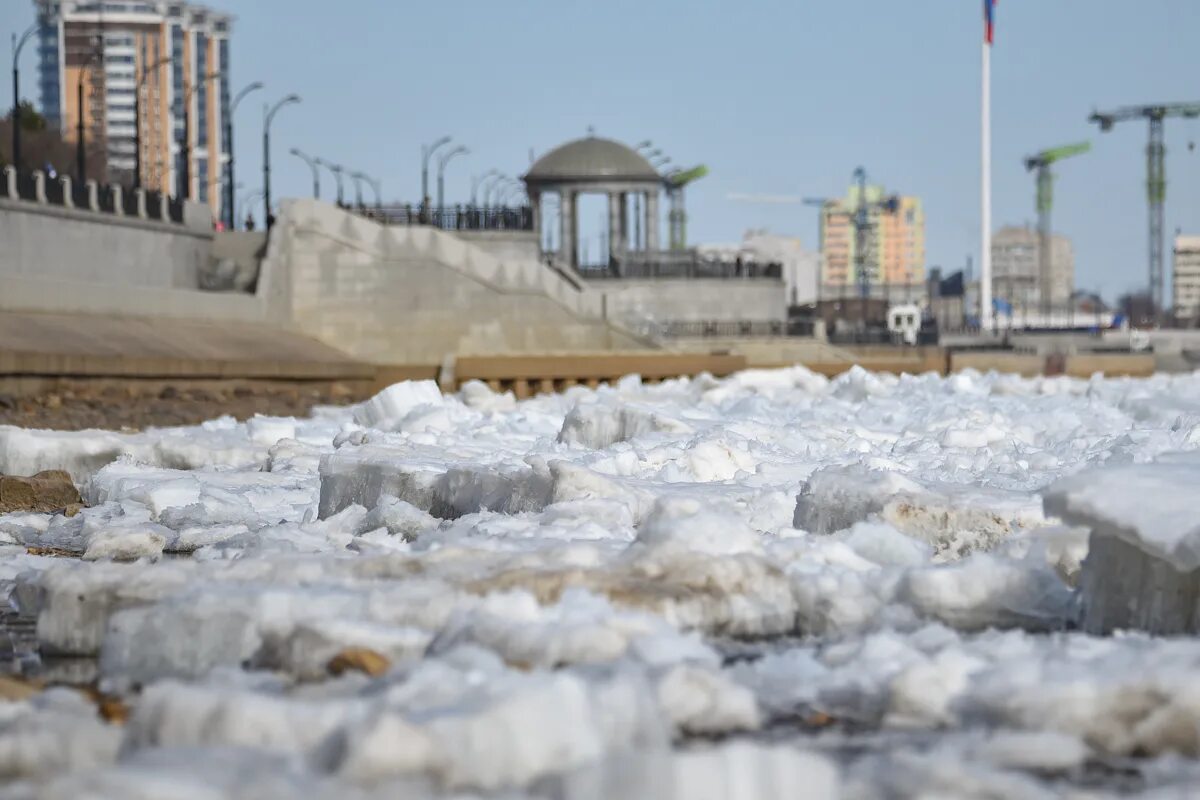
985,257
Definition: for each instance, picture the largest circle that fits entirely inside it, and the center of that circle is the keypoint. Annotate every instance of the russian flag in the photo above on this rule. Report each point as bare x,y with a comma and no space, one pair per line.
989,20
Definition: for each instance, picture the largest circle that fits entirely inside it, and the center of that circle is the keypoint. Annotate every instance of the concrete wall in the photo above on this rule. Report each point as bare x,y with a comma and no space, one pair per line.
61,260
413,295
511,245
708,300
55,243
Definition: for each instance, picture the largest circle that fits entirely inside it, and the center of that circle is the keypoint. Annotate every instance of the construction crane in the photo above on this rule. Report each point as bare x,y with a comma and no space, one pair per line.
675,180
1156,174
1045,201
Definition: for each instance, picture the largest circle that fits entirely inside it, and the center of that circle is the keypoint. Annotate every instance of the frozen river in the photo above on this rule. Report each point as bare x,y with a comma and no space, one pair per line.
768,586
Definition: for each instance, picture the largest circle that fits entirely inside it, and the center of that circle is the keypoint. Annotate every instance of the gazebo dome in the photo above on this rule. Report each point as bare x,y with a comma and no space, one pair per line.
591,160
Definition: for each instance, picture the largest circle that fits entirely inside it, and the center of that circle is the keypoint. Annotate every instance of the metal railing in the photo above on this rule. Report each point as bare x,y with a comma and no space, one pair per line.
683,264
54,192
38,187
453,218
725,329
26,186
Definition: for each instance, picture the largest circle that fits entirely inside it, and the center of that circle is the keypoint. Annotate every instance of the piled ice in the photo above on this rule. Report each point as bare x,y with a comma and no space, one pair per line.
1143,565
768,586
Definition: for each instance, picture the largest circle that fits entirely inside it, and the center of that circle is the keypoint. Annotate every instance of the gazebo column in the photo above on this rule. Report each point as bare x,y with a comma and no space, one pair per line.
566,237
626,245
535,201
616,230
651,221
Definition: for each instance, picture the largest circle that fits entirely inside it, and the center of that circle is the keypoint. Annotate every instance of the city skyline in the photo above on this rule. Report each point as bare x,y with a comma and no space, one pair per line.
778,104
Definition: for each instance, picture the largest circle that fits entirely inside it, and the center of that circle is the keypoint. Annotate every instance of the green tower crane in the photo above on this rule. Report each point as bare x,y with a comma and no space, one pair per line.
1045,201
1156,174
677,216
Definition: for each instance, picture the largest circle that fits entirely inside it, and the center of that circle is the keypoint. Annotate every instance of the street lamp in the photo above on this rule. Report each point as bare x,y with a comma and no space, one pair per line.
249,197
316,172
478,179
80,145
337,170
137,120
651,153
267,117
253,87
185,177
16,72
442,161
374,184
489,185
358,177
495,192
426,152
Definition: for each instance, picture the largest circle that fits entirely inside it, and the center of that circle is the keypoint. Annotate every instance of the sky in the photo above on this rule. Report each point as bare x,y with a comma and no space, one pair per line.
780,97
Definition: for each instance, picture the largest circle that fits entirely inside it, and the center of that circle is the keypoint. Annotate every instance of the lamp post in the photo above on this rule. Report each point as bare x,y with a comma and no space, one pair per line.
316,172
80,143
337,170
137,119
426,152
249,198
374,184
494,193
267,117
442,161
358,187
185,177
489,185
478,179
358,178
656,152
515,188
16,73
229,184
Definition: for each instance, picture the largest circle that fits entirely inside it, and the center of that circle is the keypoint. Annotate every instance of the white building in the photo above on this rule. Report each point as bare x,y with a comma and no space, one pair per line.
801,268
1016,274
1185,277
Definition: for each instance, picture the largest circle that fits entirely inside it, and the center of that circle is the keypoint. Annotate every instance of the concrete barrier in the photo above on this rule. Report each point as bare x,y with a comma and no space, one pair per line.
1029,365
529,375
1133,365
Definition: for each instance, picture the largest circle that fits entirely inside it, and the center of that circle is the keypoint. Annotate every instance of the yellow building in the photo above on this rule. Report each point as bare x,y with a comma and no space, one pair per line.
895,239
115,49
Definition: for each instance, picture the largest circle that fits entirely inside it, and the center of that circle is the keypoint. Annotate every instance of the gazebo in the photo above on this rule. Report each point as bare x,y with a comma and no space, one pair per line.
595,166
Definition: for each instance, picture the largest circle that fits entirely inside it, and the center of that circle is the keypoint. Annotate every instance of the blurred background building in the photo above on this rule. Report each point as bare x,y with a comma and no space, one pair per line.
759,245
116,48
895,252
1015,269
1185,281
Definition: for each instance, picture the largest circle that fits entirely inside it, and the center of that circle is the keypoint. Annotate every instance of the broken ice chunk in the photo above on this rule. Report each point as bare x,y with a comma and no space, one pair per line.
1143,565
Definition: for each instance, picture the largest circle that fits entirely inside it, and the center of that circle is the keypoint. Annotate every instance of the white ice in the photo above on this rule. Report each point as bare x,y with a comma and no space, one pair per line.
754,587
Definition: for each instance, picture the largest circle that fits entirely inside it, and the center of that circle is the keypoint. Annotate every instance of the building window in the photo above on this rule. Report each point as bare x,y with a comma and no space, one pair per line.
201,90
223,61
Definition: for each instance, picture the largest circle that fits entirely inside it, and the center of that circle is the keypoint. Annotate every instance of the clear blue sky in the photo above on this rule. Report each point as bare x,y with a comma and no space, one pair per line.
775,96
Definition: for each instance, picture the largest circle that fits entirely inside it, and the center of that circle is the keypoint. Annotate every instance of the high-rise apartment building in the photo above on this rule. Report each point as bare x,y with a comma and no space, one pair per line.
1185,277
165,51
1015,271
895,239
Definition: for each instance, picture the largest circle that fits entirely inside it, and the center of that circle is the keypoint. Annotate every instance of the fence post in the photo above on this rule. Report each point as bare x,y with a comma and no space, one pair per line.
39,186
10,181
118,197
93,190
141,203
67,187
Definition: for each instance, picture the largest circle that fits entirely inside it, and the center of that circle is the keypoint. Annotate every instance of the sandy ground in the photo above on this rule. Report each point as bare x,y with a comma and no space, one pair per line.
136,405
